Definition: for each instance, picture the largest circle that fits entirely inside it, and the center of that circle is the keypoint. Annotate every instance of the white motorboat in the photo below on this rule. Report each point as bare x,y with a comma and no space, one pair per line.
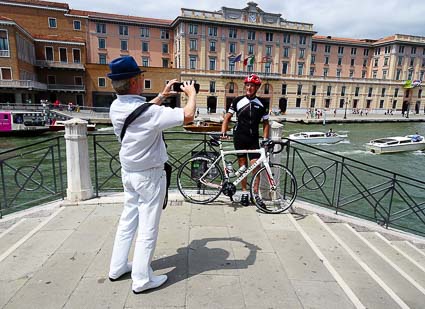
317,137
396,144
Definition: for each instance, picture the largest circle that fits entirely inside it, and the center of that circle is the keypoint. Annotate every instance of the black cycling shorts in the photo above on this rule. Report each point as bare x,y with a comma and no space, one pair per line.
244,143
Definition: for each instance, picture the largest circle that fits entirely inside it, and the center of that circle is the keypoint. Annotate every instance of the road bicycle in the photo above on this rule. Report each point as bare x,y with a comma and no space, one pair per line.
202,178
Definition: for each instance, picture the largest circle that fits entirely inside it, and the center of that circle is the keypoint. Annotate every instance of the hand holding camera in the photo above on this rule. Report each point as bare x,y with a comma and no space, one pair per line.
178,86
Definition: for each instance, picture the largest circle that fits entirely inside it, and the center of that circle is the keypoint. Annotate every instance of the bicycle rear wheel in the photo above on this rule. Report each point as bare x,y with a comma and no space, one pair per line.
271,200
190,186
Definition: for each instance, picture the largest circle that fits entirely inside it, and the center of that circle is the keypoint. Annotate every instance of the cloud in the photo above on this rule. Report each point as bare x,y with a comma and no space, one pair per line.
343,18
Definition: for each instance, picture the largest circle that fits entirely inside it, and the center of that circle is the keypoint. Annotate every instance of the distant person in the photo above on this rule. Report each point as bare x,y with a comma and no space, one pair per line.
330,132
416,137
142,158
56,104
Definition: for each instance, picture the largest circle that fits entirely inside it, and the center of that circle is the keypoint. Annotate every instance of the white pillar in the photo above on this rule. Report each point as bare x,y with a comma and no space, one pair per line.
276,135
276,131
77,161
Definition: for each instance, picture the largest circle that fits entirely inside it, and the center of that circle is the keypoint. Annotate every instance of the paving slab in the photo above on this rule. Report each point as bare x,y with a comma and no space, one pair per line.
210,251
17,231
53,283
99,294
21,264
214,291
265,283
173,293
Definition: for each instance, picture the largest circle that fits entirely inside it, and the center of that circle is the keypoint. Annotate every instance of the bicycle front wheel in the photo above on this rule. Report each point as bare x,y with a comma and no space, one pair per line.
274,199
199,183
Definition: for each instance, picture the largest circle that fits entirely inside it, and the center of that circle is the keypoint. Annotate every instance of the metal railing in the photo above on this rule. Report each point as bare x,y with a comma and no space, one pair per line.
31,175
324,178
35,173
356,188
80,88
60,64
26,84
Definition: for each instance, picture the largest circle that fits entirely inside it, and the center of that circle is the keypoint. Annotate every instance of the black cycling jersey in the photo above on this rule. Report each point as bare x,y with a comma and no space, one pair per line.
249,113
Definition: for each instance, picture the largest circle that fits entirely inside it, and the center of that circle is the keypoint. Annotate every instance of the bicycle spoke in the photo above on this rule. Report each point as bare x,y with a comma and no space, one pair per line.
195,184
278,199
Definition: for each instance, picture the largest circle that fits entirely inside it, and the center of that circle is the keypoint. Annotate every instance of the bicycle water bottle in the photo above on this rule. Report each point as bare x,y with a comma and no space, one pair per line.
241,170
229,168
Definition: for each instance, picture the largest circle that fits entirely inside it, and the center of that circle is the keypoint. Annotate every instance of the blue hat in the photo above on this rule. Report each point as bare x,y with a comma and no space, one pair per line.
123,68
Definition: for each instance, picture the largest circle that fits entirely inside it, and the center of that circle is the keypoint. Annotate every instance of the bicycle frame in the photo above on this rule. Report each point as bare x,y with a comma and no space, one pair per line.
264,158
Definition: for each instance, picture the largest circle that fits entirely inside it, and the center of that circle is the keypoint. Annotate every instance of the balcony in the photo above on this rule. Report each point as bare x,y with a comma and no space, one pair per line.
66,88
4,53
59,65
22,84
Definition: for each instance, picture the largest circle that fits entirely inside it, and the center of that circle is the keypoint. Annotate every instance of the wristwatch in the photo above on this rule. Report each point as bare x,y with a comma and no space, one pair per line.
161,96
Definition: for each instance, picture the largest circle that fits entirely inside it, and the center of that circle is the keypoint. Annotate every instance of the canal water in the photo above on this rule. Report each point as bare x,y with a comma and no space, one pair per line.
410,164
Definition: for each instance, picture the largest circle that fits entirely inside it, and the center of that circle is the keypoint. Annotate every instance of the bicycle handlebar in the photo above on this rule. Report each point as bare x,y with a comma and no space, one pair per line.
268,144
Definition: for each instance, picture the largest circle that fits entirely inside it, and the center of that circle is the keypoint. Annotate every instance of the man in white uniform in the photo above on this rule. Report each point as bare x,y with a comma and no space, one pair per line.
142,157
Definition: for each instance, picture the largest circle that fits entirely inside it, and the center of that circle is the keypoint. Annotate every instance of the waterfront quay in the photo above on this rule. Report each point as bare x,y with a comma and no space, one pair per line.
293,117
220,255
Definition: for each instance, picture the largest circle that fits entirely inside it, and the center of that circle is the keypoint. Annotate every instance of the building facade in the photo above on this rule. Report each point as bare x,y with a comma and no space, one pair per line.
49,51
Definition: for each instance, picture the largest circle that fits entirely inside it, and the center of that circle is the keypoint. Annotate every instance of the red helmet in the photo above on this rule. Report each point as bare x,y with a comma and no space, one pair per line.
253,79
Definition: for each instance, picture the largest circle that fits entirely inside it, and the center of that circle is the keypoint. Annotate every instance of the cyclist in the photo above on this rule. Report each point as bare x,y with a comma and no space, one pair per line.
250,111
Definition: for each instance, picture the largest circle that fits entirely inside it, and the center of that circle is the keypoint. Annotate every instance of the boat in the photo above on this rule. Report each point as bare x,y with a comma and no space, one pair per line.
317,137
59,125
22,123
203,126
396,144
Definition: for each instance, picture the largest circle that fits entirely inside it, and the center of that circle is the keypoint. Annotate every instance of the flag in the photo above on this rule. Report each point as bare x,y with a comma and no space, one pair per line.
266,59
249,59
416,83
252,60
407,84
237,58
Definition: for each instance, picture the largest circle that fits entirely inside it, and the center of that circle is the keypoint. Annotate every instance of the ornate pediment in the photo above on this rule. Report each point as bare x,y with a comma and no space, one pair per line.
252,14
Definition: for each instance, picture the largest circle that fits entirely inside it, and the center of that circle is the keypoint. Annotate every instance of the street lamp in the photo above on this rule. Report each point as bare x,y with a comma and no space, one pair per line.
345,111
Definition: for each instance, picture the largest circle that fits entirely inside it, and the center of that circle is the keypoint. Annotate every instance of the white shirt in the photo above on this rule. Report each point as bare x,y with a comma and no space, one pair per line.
142,146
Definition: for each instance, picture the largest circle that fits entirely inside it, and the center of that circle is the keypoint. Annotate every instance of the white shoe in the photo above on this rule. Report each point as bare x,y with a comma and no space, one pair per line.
154,283
126,271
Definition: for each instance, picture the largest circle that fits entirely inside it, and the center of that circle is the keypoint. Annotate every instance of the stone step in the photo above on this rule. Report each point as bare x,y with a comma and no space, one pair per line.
399,282
14,233
398,257
312,271
370,290
416,254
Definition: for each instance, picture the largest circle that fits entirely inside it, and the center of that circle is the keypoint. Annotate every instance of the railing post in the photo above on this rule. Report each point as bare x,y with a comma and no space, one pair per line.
276,130
77,161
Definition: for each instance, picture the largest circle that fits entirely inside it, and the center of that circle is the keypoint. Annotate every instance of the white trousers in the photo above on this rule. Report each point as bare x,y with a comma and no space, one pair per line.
144,194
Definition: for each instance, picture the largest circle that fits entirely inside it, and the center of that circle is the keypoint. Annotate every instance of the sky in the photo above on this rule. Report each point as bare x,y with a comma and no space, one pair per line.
359,19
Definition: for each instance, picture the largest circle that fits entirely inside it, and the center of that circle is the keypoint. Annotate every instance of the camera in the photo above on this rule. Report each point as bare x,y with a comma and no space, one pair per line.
176,87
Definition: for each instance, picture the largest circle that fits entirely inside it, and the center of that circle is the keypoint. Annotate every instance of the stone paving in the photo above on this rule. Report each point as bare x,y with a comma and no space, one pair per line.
216,256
